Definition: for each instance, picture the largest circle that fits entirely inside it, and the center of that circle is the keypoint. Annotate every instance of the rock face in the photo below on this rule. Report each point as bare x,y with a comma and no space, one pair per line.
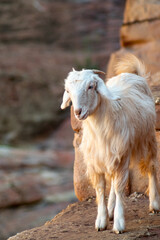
140,35
40,41
76,222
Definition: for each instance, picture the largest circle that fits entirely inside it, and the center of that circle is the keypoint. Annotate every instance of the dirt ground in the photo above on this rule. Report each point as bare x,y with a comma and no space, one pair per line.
77,222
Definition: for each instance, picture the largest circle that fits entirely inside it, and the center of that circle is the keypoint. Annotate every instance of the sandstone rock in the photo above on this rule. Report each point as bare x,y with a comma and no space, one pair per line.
140,33
82,186
141,10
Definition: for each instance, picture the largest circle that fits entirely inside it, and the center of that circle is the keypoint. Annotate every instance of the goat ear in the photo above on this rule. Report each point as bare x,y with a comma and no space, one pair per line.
66,100
104,91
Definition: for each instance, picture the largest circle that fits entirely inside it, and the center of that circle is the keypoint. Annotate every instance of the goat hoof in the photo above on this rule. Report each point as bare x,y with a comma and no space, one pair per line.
152,212
101,223
101,229
117,231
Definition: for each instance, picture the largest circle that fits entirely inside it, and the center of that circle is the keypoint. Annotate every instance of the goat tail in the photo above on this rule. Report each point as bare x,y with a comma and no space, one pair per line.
131,64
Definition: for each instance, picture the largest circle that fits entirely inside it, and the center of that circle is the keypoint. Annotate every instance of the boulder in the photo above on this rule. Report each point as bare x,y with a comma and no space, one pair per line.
82,186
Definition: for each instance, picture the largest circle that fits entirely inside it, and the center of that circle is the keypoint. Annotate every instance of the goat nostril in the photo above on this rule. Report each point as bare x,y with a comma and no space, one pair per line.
78,111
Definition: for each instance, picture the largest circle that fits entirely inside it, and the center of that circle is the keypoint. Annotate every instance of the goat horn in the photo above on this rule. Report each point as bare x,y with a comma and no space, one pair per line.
99,72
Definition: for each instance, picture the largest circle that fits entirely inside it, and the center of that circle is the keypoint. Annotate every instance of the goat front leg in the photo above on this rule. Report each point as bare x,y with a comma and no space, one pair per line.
119,221
99,185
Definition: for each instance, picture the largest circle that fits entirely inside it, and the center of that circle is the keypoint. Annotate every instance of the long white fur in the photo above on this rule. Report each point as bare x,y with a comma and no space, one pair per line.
118,127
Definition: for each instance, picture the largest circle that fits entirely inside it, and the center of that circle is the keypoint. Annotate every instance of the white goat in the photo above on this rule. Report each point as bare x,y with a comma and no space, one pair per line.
118,126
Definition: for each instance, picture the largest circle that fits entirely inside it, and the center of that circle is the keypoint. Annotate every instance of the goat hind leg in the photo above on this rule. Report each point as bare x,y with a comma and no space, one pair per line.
120,180
154,197
111,201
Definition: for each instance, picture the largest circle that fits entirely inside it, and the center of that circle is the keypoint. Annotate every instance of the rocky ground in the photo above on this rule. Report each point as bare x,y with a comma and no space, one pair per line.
76,222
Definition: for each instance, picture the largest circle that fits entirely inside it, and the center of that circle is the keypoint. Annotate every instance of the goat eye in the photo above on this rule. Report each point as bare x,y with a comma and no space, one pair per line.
90,87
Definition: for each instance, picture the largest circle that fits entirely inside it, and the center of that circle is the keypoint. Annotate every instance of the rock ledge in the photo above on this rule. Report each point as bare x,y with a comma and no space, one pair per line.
77,222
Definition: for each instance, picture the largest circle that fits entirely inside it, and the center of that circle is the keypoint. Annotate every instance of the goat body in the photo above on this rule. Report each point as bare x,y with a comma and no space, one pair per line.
119,129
